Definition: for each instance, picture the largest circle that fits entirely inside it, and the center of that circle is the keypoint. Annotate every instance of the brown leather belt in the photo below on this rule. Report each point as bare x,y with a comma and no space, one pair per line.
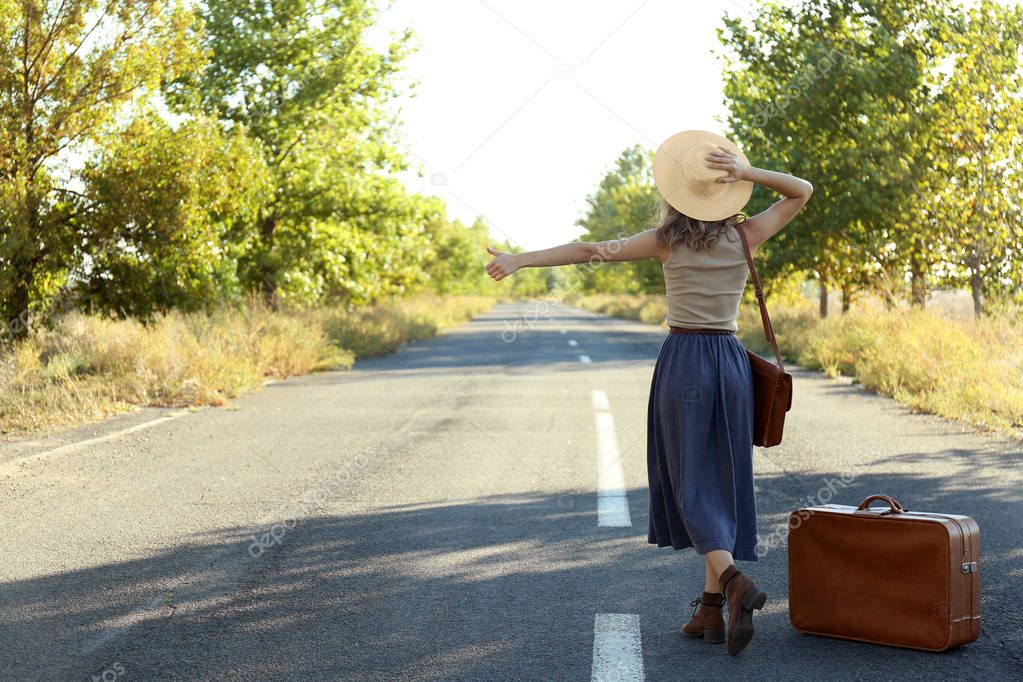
689,330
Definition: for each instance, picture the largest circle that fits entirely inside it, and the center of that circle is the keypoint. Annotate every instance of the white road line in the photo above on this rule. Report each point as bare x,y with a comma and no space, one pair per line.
78,445
573,342
584,358
563,331
617,648
612,502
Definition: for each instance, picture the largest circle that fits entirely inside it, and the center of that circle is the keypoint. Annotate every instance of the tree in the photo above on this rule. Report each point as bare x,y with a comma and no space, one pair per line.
977,148
172,214
380,251
625,202
831,90
299,76
458,256
66,70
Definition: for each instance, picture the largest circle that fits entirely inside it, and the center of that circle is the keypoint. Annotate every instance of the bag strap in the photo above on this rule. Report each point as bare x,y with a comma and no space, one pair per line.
768,329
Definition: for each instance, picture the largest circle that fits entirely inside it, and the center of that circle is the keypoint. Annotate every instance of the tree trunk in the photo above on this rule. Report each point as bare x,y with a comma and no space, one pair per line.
887,294
918,274
918,286
976,285
268,274
846,298
823,297
15,312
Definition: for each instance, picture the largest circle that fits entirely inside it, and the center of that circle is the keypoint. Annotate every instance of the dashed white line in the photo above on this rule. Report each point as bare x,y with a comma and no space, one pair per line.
584,359
612,502
563,331
617,648
573,342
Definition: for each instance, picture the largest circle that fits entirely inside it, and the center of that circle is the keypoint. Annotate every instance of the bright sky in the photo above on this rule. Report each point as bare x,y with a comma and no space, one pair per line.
522,106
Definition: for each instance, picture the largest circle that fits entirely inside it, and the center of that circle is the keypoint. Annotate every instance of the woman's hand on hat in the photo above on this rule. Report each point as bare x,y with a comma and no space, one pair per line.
502,265
725,160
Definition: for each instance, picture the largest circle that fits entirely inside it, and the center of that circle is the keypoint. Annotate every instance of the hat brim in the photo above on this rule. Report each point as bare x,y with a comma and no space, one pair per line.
713,200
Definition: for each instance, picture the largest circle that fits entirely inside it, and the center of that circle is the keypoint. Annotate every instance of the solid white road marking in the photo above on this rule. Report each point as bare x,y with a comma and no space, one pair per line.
584,358
573,342
612,502
617,648
71,447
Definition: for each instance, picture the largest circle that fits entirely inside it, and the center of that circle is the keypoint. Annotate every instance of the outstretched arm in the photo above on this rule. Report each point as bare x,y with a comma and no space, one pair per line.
639,246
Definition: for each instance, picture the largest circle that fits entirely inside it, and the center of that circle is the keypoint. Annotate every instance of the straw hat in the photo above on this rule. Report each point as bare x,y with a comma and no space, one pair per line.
687,183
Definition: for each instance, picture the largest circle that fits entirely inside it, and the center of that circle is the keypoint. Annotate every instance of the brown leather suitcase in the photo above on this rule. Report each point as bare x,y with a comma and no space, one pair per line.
885,575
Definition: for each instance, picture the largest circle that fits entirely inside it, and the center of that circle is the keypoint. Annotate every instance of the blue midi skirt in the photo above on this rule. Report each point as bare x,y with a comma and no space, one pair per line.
700,446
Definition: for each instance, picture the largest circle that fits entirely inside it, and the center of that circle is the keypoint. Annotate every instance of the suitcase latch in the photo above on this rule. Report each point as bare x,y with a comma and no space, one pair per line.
969,567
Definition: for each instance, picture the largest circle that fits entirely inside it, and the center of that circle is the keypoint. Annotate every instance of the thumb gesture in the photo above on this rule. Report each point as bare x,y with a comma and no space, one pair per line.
502,265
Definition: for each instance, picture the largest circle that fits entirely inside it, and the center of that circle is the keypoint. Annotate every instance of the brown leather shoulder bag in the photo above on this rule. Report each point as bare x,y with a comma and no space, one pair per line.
772,385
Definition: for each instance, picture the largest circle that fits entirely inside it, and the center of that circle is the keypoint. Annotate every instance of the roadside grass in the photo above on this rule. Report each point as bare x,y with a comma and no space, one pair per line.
932,361
86,367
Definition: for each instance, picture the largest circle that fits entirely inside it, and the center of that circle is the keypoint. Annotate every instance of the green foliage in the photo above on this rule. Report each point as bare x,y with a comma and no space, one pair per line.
67,70
625,202
458,256
912,170
977,151
174,209
821,90
301,79
379,251
531,282
279,177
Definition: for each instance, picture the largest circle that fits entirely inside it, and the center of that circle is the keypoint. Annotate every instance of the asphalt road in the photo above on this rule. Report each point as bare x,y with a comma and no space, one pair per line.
432,515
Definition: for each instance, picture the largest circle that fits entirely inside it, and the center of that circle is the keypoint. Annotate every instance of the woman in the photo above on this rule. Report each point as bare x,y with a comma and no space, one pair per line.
700,411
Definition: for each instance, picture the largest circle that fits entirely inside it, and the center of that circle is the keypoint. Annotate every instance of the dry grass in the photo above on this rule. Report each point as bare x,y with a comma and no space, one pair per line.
650,309
931,360
378,330
87,367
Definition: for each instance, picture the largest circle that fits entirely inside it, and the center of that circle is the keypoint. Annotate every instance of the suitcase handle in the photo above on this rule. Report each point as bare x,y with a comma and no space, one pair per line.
892,502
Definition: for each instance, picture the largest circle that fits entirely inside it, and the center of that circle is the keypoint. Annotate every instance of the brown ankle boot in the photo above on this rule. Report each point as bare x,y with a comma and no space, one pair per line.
707,620
742,596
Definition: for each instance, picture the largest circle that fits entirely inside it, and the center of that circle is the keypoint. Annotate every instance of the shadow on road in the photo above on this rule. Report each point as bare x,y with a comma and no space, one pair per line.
503,587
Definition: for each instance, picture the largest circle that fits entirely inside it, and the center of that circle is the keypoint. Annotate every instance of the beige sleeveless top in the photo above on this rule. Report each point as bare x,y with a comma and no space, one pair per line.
704,287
